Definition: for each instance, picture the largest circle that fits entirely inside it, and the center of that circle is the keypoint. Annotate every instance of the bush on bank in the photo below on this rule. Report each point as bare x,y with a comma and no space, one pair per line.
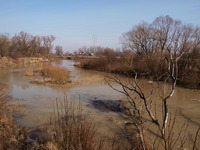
148,48
58,75
154,68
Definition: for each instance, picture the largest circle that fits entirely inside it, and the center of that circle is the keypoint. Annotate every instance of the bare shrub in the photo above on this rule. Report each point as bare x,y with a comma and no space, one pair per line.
126,138
71,129
190,79
94,63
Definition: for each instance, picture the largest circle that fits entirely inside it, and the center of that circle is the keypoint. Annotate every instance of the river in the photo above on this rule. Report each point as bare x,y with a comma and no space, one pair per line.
86,85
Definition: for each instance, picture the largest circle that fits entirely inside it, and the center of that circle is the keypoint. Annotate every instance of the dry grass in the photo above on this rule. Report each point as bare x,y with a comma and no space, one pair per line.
6,122
8,138
58,75
94,63
29,72
105,64
154,67
13,137
71,129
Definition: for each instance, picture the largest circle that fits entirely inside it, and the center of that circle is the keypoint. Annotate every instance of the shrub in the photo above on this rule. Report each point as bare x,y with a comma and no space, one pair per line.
71,129
94,63
153,67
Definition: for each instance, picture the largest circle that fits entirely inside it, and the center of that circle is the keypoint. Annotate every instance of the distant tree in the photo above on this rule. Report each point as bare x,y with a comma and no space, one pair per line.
47,44
156,40
25,44
22,43
4,45
59,50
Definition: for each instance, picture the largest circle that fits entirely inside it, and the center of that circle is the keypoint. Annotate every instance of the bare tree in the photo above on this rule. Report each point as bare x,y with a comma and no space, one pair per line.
168,40
47,42
141,40
59,50
4,45
24,44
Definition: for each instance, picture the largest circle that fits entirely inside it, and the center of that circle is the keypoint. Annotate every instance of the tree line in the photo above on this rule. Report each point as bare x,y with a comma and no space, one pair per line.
164,40
148,48
25,45
167,52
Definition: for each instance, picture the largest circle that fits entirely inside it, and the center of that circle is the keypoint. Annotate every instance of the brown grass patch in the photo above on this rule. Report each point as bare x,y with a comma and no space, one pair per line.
105,64
58,75
94,63
8,137
29,72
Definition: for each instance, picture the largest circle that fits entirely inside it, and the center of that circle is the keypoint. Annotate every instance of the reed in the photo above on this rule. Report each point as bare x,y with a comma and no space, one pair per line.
8,137
72,129
57,74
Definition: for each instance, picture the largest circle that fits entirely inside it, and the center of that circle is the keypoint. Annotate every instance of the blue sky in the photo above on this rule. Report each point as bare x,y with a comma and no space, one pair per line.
75,22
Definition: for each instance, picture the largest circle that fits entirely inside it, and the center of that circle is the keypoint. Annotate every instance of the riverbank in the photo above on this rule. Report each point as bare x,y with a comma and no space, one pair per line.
154,70
6,62
28,135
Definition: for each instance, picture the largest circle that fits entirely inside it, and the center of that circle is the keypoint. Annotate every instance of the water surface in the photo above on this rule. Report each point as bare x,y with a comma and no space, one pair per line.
86,85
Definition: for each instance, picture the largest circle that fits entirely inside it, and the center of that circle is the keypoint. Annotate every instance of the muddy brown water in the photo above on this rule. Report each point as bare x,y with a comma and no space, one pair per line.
86,85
